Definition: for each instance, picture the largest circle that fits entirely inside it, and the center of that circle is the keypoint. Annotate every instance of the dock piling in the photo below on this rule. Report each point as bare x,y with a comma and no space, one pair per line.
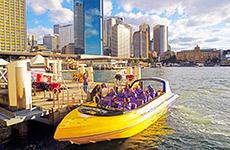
58,100
53,99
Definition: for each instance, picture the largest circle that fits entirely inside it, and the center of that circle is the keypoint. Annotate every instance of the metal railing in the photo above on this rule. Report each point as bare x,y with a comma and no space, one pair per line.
3,76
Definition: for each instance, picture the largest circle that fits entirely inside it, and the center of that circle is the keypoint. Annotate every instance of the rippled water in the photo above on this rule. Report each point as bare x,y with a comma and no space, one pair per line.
200,118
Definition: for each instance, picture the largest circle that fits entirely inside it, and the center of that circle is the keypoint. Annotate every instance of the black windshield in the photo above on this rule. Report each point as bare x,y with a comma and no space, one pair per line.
94,111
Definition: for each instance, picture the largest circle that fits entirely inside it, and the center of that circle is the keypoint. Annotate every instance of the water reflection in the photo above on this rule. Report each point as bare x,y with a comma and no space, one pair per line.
151,137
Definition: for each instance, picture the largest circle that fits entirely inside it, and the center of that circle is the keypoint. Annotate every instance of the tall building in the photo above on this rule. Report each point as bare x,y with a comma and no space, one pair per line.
13,25
105,36
120,42
66,35
51,41
56,29
79,27
141,44
146,28
107,29
112,21
160,33
151,45
131,39
92,26
31,42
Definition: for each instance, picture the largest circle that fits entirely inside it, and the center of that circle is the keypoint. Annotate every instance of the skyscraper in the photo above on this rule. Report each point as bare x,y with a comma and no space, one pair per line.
56,29
146,28
12,25
120,42
112,21
160,33
92,26
131,38
105,36
151,45
51,41
108,24
141,44
31,42
79,27
66,35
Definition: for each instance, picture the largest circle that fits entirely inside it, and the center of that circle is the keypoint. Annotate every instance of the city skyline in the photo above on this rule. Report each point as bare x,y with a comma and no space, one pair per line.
195,22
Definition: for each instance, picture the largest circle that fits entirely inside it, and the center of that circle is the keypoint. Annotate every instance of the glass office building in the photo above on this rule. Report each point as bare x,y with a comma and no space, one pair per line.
92,26
79,27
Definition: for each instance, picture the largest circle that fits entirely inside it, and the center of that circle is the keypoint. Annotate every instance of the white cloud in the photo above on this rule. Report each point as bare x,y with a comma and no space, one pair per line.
57,13
135,19
128,7
62,15
190,22
108,6
39,32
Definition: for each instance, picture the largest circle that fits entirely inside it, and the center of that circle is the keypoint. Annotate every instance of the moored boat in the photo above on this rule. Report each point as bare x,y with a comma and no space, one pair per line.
91,123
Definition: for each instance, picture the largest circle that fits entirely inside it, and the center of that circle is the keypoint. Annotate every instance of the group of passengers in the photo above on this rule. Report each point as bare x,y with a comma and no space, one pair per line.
126,97
123,98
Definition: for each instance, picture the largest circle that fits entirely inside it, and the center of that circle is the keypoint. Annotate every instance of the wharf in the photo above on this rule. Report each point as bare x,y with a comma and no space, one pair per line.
48,108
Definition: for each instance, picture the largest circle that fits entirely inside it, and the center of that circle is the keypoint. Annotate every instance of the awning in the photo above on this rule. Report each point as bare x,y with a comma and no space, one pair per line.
3,62
38,60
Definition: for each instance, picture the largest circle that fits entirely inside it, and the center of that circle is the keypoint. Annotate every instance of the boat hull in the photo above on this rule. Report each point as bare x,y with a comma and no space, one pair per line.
122,126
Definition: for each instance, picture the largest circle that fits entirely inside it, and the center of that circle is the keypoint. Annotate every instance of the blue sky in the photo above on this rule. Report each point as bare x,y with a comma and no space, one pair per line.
203,22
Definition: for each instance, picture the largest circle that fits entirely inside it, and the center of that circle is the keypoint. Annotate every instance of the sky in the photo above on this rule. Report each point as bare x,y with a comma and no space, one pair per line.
191,22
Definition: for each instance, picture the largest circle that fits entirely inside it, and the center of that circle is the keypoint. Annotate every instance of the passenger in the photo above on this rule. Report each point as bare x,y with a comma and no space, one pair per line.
149,97
152,91
85,81
132,95
143,97
138,90
94,92
116,87
98,100
114,103
97,91
111,93
127,88
121,93
127,104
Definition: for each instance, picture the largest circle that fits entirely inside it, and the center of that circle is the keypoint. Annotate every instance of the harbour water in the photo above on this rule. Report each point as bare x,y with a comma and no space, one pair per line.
199,119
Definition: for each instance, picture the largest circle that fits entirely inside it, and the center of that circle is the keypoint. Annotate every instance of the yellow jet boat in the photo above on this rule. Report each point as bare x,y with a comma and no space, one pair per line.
90,123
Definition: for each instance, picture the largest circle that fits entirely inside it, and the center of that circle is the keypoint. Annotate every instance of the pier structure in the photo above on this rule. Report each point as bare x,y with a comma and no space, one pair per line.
19,101
3,72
